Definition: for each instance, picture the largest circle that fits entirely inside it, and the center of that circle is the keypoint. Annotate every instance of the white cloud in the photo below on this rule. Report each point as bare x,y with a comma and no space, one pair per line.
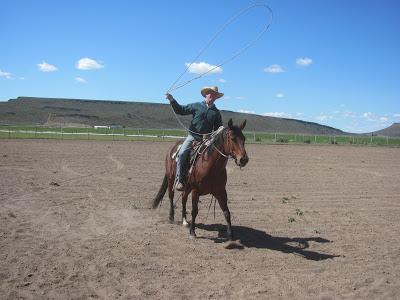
227,97
371,117
222,80
239,98
367,114
279,95
277,114
396,115
202,67
383,119
304,62
88,64
246,111
274,69
80,80
348,114
323,117
45,67
7,75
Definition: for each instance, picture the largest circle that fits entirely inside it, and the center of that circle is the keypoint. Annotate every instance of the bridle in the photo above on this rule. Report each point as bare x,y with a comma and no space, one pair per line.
229,155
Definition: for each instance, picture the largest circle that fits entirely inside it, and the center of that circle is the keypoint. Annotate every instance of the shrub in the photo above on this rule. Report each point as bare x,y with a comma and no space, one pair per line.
282,140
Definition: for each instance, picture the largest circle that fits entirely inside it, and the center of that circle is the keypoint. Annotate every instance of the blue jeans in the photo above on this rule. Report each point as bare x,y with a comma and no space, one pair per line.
184,151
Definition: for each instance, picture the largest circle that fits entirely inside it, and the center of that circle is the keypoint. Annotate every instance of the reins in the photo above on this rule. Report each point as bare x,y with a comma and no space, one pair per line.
220,152
213,138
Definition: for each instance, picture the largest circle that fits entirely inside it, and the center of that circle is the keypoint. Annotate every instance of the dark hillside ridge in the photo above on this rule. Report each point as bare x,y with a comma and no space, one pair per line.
392,131
81,112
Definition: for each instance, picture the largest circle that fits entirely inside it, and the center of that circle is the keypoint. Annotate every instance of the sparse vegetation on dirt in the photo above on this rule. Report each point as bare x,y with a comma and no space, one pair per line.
93,236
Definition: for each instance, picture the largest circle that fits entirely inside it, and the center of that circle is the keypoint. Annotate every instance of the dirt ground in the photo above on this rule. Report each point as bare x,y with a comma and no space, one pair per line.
311,222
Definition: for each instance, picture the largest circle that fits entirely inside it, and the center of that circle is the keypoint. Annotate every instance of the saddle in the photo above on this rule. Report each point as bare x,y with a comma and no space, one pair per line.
197,148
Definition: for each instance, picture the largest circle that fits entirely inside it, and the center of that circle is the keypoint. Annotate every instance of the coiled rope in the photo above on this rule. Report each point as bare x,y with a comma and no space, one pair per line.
175,84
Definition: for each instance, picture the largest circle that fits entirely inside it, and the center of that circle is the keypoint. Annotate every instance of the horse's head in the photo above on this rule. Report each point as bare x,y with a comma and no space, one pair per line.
234,144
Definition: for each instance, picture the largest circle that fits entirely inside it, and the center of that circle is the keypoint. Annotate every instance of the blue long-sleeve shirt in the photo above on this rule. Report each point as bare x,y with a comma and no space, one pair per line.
205,119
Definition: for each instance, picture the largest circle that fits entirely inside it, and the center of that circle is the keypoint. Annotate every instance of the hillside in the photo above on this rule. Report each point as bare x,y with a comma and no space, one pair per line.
76,112
393,131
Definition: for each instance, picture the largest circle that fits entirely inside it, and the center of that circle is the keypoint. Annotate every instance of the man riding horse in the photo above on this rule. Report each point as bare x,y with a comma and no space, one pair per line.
208,172
206,118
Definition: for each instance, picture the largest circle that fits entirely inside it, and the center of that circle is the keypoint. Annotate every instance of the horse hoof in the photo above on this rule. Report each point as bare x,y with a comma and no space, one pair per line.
171,221
192,234
185,223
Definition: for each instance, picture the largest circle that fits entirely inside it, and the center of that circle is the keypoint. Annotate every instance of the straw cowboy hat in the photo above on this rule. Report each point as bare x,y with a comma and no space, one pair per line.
211,89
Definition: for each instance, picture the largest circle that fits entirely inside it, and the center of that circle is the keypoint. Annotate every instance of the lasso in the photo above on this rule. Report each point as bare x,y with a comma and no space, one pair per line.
175,84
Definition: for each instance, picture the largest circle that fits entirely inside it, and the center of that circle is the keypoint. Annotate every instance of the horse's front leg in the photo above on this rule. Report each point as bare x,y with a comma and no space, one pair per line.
223,203
195,210
184,200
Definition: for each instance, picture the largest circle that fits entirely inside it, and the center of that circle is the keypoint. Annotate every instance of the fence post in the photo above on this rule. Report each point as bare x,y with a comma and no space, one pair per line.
88,133
275,138
315,139
387,140
371,138
9,131
254,135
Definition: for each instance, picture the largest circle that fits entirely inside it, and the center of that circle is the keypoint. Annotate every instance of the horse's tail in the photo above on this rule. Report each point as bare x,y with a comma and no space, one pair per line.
160,193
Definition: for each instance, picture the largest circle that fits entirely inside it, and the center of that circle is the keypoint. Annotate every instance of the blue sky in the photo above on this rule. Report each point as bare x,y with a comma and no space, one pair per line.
331,62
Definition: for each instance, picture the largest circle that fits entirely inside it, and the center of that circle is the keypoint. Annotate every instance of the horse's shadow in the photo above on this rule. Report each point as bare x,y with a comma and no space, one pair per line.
253,238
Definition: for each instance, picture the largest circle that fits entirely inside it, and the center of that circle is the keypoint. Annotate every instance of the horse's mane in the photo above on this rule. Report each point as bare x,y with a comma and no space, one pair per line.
219,138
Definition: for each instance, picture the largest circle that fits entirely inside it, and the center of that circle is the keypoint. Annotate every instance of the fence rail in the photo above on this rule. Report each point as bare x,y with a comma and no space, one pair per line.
16,132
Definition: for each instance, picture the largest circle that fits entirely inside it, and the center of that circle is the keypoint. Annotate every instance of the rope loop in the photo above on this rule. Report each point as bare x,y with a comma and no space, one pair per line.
174,85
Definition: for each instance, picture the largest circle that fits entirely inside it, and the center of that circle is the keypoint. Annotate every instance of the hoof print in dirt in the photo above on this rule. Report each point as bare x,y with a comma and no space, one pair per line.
53,183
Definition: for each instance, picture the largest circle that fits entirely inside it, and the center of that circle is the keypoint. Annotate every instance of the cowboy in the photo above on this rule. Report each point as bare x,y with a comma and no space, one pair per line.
206,118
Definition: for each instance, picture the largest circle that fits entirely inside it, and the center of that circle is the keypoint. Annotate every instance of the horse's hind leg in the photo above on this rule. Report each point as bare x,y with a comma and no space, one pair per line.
184,200
171,201
223,203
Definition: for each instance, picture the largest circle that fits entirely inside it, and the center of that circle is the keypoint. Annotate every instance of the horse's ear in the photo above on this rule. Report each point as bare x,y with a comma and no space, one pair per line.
230,123
243,125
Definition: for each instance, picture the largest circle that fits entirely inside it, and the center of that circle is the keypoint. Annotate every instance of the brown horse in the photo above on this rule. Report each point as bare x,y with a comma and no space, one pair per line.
208,174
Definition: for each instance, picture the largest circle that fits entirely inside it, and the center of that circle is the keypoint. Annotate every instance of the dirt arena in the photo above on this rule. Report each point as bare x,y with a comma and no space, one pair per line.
311,222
